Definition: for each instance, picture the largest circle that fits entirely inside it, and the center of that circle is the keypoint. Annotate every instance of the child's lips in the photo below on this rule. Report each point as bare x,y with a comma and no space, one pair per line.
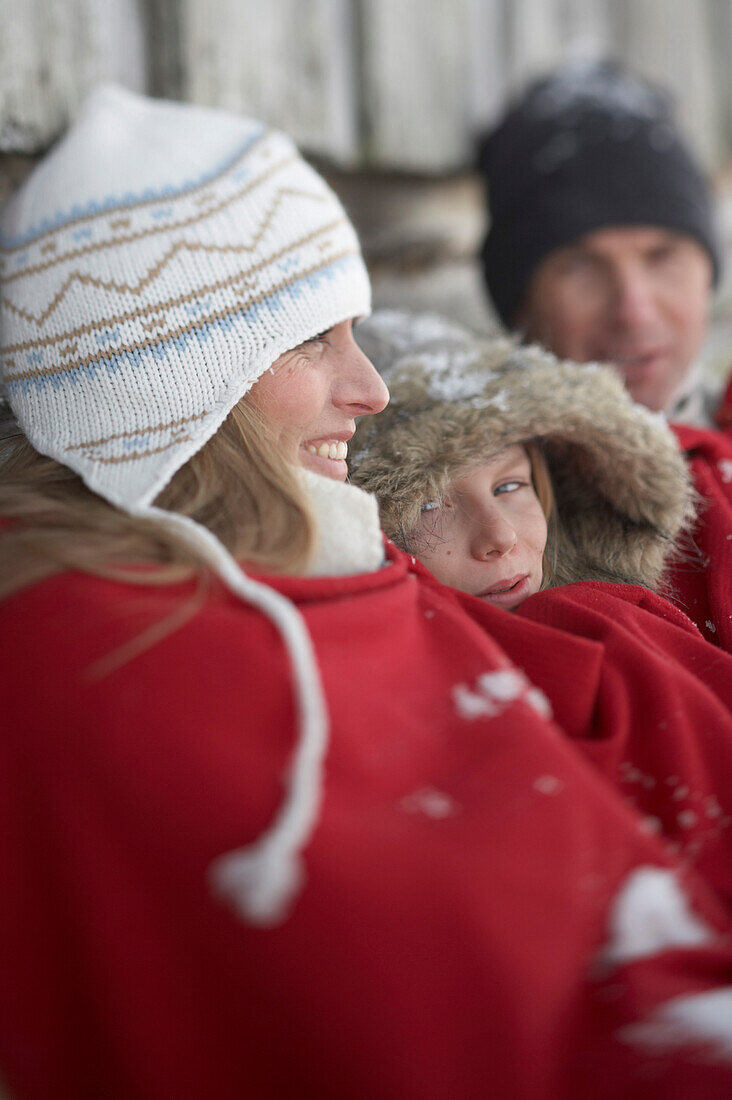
504,586
508,593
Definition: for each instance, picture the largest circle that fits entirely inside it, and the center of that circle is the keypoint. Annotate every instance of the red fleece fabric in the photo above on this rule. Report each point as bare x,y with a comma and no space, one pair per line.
702,584
460,879
651,731
723,415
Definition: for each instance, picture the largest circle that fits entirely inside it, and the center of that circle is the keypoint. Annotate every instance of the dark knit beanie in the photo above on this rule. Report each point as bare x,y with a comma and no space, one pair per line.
587,148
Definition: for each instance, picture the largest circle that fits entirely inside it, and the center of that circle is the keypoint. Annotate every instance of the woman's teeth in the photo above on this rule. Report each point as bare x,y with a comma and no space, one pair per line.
329,450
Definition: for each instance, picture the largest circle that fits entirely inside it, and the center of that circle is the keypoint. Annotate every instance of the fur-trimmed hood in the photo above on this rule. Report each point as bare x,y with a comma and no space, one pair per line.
622,490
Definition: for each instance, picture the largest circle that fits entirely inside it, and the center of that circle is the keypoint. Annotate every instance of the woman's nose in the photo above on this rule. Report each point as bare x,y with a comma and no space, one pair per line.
494,535
360,387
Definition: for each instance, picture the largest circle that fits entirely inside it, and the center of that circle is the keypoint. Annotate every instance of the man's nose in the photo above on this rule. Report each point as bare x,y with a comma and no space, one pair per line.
634,300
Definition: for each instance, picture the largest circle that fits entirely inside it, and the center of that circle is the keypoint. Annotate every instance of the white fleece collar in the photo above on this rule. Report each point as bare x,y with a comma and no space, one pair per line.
349,539
697,400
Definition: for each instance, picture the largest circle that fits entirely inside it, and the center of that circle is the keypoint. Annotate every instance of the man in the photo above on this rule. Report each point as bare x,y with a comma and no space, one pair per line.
603,247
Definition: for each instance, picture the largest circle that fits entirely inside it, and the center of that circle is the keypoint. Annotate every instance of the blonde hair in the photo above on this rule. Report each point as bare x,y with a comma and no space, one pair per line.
237,486
542,481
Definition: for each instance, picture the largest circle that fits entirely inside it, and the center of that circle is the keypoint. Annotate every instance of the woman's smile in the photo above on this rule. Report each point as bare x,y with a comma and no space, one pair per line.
327,456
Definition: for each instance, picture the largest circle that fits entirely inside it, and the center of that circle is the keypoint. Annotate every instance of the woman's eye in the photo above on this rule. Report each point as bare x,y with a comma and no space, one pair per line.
321,338
508,487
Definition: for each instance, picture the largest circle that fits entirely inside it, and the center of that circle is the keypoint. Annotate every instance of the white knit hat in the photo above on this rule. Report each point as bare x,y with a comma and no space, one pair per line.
156,262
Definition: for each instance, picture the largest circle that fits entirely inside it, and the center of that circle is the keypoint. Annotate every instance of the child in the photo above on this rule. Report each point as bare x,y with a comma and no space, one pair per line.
461,462
489,536
505,471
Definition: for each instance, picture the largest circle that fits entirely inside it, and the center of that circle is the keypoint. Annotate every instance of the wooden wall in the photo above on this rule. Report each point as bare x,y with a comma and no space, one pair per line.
397,84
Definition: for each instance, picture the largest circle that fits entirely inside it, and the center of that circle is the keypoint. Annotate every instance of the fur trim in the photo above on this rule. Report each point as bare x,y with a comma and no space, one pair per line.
622,489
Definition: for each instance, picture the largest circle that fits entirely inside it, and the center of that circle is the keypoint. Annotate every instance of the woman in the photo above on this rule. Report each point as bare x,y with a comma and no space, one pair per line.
193,904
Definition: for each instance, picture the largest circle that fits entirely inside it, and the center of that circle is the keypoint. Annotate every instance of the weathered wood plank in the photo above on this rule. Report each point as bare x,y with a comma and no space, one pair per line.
163,34
542,34
584,27
533,42
421,78
487,63
720,29
289,63
51,52
670,41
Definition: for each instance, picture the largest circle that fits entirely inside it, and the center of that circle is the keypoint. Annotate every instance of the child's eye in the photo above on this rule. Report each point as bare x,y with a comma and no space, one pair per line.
437,506
508,487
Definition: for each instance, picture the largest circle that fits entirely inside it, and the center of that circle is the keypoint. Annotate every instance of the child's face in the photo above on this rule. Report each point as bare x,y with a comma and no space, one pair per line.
489,537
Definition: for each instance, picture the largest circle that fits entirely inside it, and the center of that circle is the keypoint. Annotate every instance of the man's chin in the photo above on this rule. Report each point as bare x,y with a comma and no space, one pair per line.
648,385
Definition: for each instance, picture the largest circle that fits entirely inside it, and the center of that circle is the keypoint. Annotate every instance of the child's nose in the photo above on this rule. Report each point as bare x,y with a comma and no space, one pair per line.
494,535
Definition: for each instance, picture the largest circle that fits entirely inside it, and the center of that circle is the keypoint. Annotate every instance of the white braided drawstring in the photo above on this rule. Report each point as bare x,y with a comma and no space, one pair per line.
261,880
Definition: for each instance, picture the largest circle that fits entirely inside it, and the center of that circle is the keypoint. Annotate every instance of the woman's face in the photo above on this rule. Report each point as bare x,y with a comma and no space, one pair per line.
311,396
489,537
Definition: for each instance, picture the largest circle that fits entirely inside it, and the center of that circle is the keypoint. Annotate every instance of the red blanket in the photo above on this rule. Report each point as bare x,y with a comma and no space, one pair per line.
482,914
702,583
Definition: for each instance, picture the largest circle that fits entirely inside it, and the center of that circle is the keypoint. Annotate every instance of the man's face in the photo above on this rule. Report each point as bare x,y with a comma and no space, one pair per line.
635,297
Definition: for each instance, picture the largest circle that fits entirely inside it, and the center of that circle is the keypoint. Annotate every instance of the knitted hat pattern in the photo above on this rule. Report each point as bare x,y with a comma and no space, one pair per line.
589,147
196,248
623,498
